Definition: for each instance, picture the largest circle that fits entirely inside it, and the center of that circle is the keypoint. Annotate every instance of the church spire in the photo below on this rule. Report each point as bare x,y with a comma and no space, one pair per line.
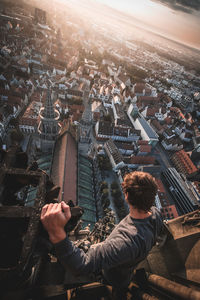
49,111
48,127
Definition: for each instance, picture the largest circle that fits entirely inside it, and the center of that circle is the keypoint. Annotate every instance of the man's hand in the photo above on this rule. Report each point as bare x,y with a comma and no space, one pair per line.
54,217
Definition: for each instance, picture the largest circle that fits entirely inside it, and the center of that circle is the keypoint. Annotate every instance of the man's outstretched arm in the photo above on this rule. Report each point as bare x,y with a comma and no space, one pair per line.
105,255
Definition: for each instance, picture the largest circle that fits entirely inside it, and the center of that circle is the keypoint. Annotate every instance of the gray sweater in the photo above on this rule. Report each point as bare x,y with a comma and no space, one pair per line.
127,245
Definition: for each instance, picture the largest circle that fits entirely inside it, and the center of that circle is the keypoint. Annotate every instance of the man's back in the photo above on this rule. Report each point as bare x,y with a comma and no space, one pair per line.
136,237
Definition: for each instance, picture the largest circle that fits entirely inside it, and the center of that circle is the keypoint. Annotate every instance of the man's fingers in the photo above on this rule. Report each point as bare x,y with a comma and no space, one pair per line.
57,208
50,208
44,210
66,210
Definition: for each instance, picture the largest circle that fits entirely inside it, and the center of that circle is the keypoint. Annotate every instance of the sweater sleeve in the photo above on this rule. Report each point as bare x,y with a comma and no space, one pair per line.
104,255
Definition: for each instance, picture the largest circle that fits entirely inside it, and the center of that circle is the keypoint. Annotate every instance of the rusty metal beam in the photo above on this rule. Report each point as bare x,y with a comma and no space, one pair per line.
138,293
34,223
146,296
175,289
16,211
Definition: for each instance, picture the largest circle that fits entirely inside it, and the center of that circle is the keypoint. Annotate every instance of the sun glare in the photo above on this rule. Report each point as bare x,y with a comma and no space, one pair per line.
135,7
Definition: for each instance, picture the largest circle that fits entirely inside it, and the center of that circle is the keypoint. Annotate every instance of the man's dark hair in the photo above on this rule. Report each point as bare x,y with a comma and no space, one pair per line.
141,188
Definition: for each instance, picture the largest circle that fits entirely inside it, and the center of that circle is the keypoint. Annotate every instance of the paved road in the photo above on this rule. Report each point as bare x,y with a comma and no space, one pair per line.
87,114
163,156
165,162
86,126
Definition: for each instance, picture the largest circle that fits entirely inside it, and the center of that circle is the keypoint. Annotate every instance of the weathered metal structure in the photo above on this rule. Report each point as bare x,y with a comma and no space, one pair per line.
172,268
25,247
29,268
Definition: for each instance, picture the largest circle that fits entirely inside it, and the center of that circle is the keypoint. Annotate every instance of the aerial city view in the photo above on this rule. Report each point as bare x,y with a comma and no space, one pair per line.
94,95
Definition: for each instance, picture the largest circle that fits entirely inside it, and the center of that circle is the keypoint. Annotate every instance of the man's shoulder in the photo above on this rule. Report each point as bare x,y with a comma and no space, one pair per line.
123,226
126,221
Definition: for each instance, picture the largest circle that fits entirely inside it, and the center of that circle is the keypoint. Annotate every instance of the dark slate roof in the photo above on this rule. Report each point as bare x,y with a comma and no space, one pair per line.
150,132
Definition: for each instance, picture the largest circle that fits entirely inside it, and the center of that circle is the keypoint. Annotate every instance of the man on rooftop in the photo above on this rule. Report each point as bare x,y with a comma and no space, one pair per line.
128,244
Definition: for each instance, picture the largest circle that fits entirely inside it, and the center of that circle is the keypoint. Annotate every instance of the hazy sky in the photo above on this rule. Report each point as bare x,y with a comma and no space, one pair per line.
176,19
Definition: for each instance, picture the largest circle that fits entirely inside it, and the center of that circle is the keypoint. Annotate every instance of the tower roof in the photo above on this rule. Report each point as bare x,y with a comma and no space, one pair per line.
49,111
48,128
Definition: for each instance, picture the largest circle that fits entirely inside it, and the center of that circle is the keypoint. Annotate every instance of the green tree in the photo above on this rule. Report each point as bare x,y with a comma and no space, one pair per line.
104,163
114,185
104,193
122,212
105,203
107,166
119,203
104,185
116,192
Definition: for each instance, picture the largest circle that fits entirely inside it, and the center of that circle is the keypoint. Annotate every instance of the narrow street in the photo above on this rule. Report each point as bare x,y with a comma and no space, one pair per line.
85,126
164,156
164,161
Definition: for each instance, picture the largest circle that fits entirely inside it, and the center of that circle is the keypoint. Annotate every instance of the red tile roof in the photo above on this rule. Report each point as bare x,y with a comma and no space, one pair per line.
183,163
4,92
160,186
145,148
147,91
175,109
96,115
157,125
151,111
148,99
124,146
197,185
170,210
142,160
76,116
28,121
142,142
168,120
35,97
14,99
139,87
76,107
